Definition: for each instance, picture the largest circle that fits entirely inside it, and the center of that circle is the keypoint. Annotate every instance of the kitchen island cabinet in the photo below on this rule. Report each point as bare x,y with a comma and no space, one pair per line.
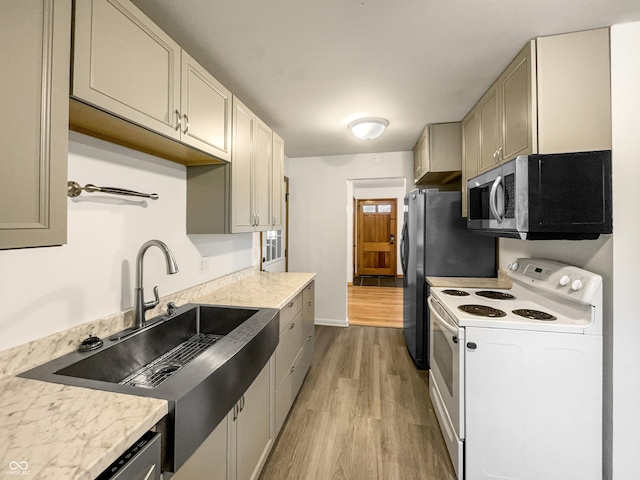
143,77
35,45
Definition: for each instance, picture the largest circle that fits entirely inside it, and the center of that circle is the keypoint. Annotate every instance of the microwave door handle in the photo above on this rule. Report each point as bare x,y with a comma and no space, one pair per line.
446,325
492,198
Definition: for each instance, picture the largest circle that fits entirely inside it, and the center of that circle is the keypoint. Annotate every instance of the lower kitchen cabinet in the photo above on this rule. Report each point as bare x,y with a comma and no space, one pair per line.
294,354
35,41
239,446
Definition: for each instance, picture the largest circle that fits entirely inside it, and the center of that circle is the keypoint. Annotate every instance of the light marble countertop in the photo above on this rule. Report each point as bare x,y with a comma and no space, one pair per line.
51,431
264,289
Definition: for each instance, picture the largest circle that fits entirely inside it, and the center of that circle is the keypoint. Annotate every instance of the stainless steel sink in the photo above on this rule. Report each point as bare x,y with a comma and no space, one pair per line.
201,359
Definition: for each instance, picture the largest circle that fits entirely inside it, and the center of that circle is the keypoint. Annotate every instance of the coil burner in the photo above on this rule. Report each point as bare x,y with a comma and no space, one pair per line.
456,293
482,311
492,294
534,314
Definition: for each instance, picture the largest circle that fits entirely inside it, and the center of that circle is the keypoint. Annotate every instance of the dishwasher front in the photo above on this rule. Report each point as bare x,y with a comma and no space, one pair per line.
140,462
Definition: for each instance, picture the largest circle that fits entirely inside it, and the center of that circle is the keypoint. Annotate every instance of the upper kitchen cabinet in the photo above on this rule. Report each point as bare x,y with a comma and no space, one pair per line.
206,110
438,154
277,182
574,92
470,151
554,97
250,171
126,66
245,195
35,44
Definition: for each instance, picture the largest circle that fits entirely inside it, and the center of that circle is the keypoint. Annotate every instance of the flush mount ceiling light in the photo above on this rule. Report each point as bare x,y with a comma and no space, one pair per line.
368,128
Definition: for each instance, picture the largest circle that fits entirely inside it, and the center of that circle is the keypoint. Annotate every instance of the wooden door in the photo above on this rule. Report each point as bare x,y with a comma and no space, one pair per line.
376,243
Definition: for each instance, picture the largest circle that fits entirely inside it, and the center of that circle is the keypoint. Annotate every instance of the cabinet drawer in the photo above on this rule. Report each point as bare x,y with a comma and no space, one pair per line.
308,318
308,293
284,398
288,347
303,362
289,311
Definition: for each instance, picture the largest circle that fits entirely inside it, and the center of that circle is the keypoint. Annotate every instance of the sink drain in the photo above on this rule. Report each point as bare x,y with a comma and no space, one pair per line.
167,369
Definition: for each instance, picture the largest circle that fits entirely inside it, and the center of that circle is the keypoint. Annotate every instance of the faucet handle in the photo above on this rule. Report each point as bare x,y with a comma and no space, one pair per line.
153,303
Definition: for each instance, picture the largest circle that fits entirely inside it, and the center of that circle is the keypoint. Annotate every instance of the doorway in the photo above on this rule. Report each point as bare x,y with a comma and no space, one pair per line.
375,233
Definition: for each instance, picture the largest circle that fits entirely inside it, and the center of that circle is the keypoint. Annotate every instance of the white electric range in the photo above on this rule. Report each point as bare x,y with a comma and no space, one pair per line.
516,375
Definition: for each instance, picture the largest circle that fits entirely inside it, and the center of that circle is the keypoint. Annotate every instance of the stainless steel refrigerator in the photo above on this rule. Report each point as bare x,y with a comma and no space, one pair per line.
436,243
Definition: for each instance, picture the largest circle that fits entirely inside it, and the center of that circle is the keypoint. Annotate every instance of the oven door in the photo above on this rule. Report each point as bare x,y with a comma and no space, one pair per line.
446,379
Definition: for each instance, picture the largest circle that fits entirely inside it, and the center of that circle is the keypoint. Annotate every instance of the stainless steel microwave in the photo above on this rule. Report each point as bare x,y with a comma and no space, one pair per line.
546,196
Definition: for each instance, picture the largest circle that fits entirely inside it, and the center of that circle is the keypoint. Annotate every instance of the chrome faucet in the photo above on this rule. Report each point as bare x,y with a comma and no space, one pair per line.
140,305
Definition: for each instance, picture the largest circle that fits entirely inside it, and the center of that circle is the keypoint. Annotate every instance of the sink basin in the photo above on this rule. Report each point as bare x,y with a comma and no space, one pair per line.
201,360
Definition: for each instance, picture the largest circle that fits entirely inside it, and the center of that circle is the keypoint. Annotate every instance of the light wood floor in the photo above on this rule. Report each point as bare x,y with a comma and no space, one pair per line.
363,413
374,306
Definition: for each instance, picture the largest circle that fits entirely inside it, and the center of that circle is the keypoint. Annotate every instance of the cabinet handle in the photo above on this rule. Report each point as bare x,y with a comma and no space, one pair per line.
257,220
186,121
309,304
293,324
179,120
310,337
235,412
150,472
242,403
500,156
293,367
290,305
273,220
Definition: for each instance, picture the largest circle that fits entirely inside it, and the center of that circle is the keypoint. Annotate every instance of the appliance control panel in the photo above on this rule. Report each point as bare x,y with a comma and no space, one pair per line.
558,278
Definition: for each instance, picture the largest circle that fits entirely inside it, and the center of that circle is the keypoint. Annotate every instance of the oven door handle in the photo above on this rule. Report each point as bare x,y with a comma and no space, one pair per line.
446,325
493,203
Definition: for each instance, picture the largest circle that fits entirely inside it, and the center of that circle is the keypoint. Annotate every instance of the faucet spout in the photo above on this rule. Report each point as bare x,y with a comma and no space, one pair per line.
172,267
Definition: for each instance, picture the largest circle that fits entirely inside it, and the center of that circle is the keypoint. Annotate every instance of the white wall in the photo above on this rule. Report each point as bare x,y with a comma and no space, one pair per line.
46,290
625,81
319,218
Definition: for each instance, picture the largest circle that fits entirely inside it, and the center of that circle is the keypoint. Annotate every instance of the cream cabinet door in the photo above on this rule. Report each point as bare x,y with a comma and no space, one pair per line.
470,152
518,105
417,166
489,112
277,182
205,110
123,63
242,219
210,460
262,175
34,94
255,426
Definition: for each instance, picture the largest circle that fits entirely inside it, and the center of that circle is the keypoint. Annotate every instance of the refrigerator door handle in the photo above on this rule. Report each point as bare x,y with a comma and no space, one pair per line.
403,247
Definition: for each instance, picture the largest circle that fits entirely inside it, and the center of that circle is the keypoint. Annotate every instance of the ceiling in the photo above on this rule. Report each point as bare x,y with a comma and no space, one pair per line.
308,68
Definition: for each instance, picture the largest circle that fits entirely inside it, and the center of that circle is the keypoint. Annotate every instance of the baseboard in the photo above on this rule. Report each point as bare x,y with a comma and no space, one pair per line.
349,284
331,322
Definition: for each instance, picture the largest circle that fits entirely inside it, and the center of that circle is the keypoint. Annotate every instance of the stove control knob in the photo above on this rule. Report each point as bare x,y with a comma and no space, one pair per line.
513,266
577,285
564,281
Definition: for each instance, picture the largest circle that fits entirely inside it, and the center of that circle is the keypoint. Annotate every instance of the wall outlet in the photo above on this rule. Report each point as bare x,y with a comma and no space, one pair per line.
203,265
